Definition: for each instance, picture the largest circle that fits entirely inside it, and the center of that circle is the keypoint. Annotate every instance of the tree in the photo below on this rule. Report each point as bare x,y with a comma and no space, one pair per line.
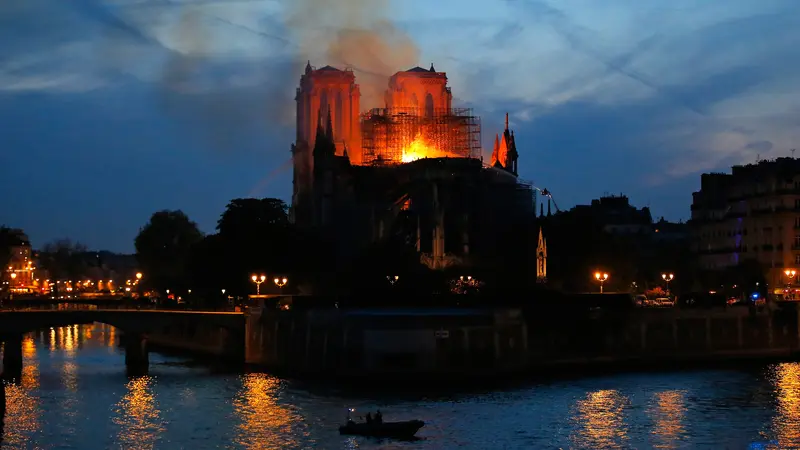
255,237
251,216
163,247
63,259
7,240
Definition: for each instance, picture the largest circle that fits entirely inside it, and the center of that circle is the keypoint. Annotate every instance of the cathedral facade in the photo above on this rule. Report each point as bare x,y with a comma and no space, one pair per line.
354,179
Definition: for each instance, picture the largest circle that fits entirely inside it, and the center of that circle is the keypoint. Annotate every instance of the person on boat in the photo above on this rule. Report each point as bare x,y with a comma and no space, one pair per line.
379,417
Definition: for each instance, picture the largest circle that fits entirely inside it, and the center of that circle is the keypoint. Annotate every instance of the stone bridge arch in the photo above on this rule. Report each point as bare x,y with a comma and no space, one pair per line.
221,334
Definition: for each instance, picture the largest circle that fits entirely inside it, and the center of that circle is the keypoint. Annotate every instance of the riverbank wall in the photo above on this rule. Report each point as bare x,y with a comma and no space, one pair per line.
648,337
406,343
200,340
459,342
388,342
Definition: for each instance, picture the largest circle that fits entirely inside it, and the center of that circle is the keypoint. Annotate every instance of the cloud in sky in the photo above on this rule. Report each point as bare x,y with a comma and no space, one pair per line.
147,104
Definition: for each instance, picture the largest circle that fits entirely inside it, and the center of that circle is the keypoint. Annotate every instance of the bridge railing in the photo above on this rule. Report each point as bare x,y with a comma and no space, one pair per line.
87,307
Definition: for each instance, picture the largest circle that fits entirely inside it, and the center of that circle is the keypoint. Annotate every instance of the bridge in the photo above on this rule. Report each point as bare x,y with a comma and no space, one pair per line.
218,333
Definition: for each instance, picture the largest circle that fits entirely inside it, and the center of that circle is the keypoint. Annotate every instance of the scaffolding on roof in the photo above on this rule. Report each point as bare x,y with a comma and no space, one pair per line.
387,133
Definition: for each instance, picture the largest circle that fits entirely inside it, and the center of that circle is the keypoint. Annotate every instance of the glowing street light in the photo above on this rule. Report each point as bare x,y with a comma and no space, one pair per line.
258,280
280,282
667,277
392,279
601,277
790,273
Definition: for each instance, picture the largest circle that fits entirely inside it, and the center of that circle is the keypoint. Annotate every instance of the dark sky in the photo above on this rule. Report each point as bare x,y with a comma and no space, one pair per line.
113,109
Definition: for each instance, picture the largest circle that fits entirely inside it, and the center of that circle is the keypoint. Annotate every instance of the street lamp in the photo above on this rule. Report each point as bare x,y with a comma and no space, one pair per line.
258,280
280,282
601,277
392,279
667,277
138,276
790,273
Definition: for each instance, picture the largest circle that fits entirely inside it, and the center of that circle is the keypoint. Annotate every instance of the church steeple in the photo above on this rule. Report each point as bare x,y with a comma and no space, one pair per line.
329,127
496,152
323,146
308,67
541,259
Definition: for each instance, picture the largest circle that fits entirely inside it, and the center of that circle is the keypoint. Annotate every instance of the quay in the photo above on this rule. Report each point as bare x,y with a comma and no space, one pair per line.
331,338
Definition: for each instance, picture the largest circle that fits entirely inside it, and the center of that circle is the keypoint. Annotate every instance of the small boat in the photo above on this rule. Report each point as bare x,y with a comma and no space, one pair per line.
399,430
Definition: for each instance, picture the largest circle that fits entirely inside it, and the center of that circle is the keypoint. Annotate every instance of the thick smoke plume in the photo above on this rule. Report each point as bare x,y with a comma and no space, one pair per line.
352,33
228,100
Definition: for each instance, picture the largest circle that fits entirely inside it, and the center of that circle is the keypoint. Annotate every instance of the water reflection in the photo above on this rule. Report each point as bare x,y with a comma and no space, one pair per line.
264,423
668,411
138,416
30,364
22,416
786,423
600,419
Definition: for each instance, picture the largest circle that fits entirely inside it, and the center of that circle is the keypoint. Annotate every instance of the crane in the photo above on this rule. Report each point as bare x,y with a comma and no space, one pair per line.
546,193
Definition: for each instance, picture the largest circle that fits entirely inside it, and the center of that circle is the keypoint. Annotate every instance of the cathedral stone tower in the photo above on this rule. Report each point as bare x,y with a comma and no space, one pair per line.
324,94
422,89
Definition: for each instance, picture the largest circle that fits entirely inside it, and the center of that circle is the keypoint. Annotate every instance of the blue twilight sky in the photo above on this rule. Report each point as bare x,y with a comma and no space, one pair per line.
113,109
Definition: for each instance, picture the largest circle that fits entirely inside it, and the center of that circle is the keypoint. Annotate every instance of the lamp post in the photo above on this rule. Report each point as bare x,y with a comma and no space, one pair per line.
790,273
258,280
601,277
392,279
667,277
136,283
280,282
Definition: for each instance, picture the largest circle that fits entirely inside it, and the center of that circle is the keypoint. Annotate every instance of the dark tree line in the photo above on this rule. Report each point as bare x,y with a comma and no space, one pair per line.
579,246
253,237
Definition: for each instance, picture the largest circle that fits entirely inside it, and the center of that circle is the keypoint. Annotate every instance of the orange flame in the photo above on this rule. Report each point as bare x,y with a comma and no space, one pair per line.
419,149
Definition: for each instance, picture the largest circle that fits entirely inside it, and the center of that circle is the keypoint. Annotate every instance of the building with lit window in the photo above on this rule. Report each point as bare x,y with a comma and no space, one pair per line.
20,273
753,214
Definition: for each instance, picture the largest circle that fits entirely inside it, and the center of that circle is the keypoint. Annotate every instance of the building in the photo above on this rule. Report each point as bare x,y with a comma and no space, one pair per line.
20,273
616,215
753,214
411,168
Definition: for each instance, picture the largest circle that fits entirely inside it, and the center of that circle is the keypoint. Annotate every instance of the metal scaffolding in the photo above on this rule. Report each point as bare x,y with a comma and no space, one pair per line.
388,133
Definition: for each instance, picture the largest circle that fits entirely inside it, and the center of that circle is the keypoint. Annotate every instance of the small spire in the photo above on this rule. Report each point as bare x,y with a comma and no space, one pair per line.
548,207
329,126
308,66
432,69
506,121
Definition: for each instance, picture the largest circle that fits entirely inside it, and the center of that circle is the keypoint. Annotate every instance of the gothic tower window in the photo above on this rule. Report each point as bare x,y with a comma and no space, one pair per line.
338,116
428,105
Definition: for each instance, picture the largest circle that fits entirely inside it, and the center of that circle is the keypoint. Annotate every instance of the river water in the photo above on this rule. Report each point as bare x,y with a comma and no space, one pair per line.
74,394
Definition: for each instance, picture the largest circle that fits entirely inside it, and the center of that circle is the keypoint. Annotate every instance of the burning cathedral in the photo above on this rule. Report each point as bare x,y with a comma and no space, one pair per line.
412,170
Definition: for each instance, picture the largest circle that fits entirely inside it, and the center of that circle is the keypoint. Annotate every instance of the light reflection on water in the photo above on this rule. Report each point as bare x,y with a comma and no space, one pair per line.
137,415
668,411
74,393
600,417
264,424
786,422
